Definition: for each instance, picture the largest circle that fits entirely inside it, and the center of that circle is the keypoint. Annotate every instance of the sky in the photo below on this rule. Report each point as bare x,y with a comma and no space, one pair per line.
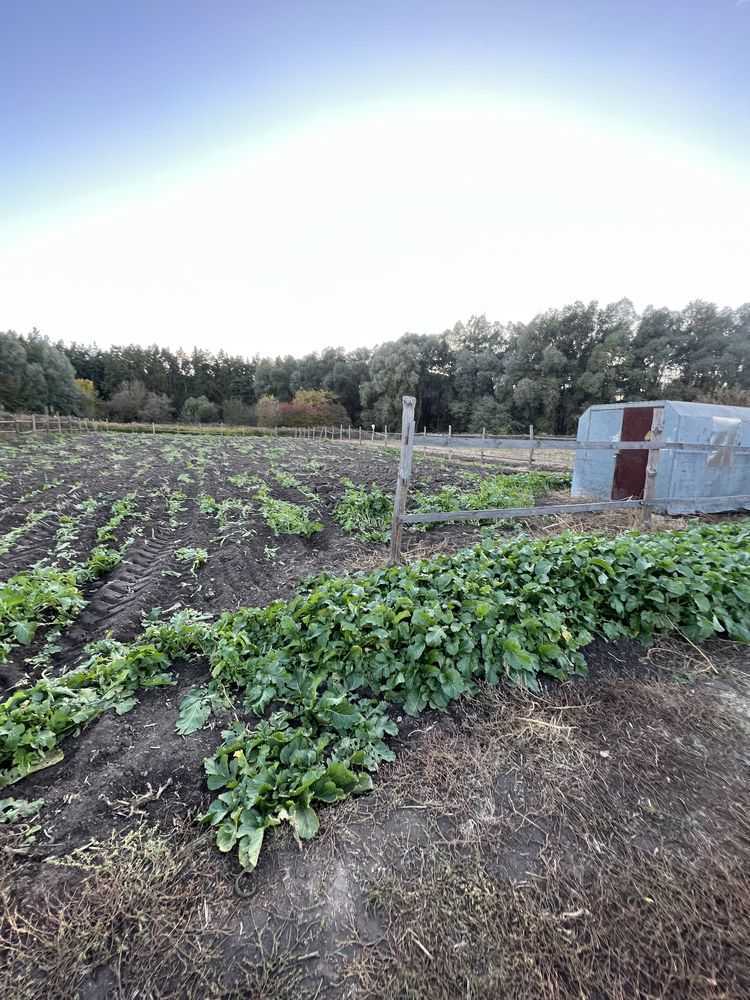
273,178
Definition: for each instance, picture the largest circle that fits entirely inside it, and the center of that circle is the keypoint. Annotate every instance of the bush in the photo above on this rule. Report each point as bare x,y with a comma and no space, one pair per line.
238,413
133,401
199,410
309,408
267,411
312,408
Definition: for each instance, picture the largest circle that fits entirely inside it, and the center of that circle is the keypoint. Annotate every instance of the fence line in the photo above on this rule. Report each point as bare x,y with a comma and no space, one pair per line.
497,514
48,423
388,435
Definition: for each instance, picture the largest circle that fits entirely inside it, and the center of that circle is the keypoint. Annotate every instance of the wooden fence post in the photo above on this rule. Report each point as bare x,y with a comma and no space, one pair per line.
404,476
59,424
652,465
385,436
481,454
373,432
33,421
531,443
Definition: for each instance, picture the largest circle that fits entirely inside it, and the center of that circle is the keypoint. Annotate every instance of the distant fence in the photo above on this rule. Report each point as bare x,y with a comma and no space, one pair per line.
44,423
654,447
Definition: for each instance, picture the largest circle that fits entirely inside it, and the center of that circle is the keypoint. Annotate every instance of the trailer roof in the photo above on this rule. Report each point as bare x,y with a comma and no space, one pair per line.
684,408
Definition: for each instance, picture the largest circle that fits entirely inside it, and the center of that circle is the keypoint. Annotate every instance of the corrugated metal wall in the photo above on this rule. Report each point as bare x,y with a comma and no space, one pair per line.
681,473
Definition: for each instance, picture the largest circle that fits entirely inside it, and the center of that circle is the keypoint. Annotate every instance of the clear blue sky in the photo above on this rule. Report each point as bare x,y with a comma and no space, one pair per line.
109,111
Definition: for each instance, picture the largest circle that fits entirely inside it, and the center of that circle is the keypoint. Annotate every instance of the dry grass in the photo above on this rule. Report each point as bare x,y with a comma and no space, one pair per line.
142,914
644,926
590,843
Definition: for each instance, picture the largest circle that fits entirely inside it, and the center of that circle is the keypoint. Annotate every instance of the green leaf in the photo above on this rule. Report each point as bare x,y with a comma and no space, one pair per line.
226,837
125,705
195,709
24,632
249,848
304,821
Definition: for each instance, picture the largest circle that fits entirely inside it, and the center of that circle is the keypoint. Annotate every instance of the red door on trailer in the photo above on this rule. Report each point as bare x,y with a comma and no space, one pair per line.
630,466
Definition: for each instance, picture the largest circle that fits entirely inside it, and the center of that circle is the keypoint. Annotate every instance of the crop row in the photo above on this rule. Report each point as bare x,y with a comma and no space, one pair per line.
321,676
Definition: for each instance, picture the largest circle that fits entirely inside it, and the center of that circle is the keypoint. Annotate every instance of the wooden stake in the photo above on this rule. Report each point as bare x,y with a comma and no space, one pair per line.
652,465
404,475
531,442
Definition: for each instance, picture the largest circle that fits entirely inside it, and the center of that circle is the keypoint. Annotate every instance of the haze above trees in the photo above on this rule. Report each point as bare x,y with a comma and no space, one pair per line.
479,374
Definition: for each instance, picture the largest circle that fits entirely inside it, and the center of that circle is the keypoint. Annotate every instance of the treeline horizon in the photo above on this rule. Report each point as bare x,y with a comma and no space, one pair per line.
477,374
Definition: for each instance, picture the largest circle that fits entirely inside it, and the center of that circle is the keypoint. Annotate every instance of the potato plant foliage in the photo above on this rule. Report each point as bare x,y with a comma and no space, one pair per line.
324,673
368,511
47,595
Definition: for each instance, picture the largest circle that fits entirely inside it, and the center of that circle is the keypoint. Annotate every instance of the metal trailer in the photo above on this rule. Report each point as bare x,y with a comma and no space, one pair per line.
676,472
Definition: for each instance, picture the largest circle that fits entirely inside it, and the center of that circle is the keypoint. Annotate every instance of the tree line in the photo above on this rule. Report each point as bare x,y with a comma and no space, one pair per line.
477,374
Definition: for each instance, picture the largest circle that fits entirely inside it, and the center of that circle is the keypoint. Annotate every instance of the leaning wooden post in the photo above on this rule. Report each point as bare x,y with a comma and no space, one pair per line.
404,476
531,445
652,466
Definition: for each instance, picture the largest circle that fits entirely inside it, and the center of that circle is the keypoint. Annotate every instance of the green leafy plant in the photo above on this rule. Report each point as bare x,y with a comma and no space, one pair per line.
34,720
274,772
196,558
284,518
9,539
231,515
366,512
489,492
197,707
122,509
11,810
39,597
